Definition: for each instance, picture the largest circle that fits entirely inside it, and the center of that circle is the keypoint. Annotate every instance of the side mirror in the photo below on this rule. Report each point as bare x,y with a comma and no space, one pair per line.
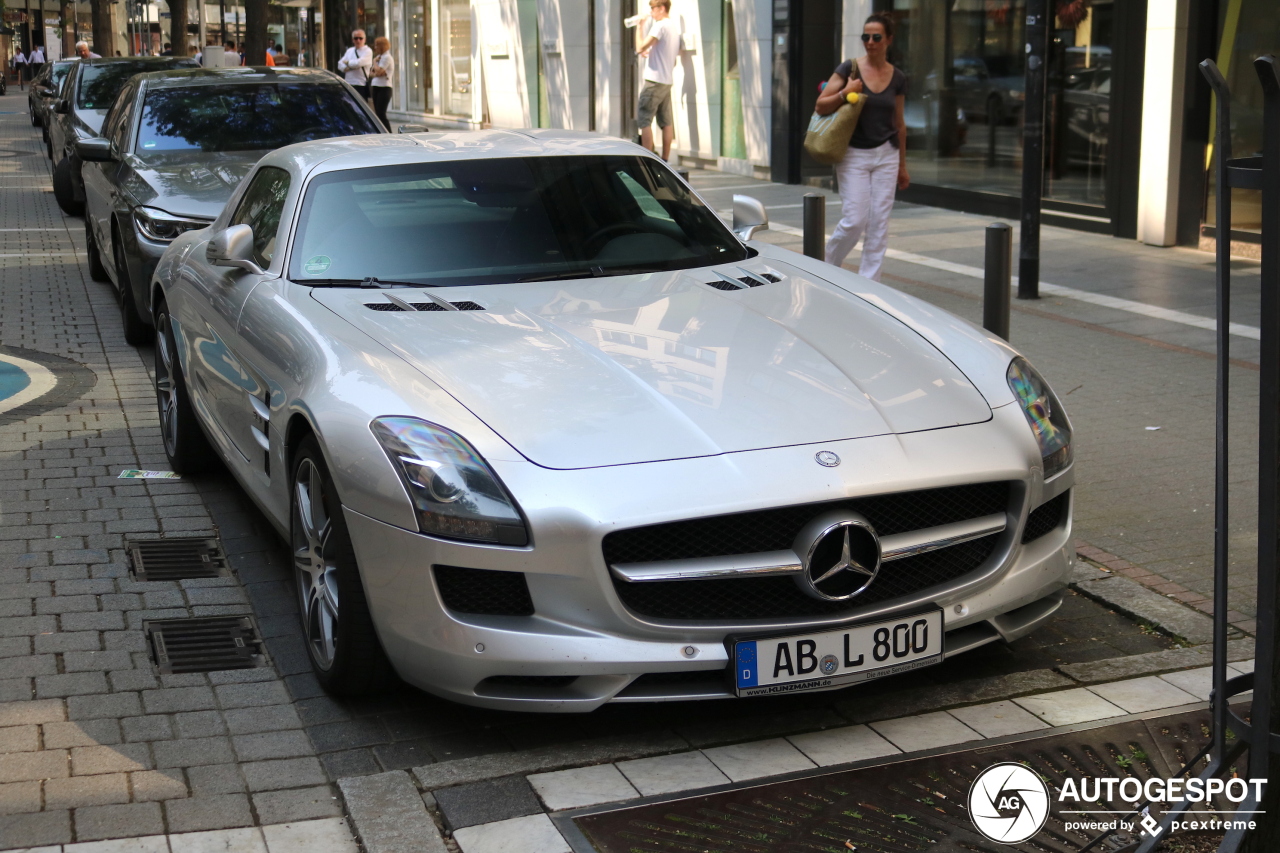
61,107
749,216
46,92
233,247
95,150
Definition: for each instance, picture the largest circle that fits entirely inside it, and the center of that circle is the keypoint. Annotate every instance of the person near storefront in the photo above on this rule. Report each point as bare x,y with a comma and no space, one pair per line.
35,62
19,66
875,166
83,51
381,73
356,62
661,49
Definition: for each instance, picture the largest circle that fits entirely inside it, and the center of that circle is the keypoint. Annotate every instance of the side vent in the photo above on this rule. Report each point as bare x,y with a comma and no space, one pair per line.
758,279
721,284
770,277
427,306
383,306
467,305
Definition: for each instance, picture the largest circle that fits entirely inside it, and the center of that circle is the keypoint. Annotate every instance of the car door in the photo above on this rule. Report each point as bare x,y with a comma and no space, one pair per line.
236,394
60,122
102,179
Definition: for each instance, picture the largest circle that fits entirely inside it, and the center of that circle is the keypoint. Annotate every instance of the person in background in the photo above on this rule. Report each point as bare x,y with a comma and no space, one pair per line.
83,51
876,162
661,49
231,55
19,65
168,50
35,62
381,73
356,62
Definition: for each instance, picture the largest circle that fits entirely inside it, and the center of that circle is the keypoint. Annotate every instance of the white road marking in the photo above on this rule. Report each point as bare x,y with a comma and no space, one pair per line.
1183,318
41,382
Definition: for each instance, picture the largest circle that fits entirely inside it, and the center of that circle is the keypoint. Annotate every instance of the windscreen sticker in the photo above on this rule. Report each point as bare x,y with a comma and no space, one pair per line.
317,263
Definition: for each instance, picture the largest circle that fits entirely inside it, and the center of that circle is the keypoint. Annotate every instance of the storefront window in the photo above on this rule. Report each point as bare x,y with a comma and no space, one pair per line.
455,22
965,62
416,55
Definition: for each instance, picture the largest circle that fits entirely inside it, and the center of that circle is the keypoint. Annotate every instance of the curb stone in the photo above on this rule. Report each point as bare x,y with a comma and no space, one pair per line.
1137,601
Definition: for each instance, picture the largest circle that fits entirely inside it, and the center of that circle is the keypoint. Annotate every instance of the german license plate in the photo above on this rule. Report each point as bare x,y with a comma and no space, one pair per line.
834,658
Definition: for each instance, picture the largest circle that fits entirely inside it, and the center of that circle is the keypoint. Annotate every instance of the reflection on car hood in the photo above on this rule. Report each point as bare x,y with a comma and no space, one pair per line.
92,119
585,373
188,183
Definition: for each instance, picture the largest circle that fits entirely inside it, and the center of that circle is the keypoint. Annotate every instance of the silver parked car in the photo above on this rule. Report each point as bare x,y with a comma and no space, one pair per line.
625,457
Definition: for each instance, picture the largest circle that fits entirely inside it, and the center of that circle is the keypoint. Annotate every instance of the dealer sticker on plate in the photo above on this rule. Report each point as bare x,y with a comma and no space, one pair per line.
834,658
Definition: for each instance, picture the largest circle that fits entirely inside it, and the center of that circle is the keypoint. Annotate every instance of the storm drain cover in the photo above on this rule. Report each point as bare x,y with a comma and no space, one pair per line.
204,644
913,805
176,559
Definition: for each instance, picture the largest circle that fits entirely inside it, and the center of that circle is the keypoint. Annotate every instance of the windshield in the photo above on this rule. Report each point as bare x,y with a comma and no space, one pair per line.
494,221
248,116
58,73
99,84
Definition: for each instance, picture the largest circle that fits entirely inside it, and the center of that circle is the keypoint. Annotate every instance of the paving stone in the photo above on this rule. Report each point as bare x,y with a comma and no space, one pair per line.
1197,682
120,758
296,804
174,699
19,798
96,661
19,739
52,641
285,744
79,791
1114,669
486,802
152,785
122,821
757,759
153,727
316,836
351,762
111,620
104,705
29,766
390,816
585,786
517,835
221,811
997,719
839,746
195,724
39,711
215,779
925,731
1067,707
1143,694
192,752
251,695
262,719
1136,600
242,840
34,830
81,733
348,734
283,773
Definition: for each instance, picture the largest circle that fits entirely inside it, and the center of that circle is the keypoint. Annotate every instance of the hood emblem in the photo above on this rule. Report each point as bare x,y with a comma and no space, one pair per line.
840,554
826,459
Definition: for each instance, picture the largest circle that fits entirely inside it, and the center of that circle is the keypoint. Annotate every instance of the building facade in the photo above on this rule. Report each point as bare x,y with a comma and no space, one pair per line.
1128,116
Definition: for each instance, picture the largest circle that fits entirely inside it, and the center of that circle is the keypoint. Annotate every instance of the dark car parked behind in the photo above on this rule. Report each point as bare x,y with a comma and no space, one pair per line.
44,90
90,88
175,146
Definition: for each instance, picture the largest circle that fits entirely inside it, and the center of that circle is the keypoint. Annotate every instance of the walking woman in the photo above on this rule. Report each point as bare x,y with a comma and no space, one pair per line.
876,162
380,74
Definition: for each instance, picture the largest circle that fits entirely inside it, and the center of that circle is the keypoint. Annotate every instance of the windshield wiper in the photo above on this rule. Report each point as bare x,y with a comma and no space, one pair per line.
367,283
593,272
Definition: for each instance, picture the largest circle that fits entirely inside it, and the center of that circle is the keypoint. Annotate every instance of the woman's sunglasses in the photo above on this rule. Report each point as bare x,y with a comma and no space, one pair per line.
876,37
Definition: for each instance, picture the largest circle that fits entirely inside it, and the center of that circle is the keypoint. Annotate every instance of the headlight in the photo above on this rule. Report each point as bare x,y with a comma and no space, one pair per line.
1045,414
454,493
164,227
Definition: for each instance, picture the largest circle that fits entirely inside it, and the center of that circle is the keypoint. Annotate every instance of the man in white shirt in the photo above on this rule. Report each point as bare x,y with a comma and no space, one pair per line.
661,49
35,61
355,63
82,51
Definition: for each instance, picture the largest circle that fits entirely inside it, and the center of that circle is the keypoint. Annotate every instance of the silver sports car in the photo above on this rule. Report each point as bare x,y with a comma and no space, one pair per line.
630,456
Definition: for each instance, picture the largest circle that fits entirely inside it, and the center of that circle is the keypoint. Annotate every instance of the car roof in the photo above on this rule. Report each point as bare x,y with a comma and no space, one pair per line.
223,76
351,152
158,61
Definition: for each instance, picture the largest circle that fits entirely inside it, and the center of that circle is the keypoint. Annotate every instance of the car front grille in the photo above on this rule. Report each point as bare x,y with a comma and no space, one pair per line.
776,597
1045,518
483,591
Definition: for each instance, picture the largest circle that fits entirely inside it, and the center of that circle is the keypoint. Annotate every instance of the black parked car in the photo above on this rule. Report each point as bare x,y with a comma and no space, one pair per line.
44,90
90,88
175,145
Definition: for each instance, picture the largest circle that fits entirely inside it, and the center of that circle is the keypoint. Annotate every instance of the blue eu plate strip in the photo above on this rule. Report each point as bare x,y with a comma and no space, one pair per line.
745,660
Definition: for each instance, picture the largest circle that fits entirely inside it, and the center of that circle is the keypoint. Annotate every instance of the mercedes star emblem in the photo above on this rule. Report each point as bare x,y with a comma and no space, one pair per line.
826,458
839,554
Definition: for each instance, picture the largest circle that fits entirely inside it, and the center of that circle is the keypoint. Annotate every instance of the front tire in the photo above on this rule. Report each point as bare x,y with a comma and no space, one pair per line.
64,188
184,442
136,330
97,271
345,653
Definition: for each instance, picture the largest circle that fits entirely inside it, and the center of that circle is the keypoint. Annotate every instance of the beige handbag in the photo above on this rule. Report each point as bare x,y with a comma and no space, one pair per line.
827,138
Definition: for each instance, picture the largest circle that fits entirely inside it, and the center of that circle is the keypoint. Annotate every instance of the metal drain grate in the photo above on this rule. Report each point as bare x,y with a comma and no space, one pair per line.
176,559
914,805
204,645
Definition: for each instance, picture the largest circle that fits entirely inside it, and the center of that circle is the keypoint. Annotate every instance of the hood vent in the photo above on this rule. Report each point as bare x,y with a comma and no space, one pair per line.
465,305
758,279
721,284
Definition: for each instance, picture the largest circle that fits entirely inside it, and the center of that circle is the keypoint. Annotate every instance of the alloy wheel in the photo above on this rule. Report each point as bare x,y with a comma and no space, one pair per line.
166,387
315,567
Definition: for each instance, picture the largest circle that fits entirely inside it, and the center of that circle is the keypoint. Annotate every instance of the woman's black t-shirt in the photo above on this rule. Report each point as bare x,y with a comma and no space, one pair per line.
876,124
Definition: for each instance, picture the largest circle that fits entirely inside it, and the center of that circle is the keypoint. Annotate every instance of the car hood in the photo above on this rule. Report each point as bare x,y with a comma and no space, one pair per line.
587,373
92,119
188,183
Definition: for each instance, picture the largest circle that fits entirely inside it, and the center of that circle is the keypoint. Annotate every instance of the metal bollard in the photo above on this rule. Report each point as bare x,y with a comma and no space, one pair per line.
997,282
815,225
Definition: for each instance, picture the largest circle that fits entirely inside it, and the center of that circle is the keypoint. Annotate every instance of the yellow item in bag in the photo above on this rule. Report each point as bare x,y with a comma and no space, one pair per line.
828,136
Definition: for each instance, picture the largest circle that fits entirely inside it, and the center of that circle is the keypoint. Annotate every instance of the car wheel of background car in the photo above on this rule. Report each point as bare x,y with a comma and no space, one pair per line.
136,329
64,191
97,271
337,627
184,442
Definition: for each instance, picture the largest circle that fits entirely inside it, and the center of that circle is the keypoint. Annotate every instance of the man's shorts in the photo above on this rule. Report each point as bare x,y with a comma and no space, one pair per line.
655,101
